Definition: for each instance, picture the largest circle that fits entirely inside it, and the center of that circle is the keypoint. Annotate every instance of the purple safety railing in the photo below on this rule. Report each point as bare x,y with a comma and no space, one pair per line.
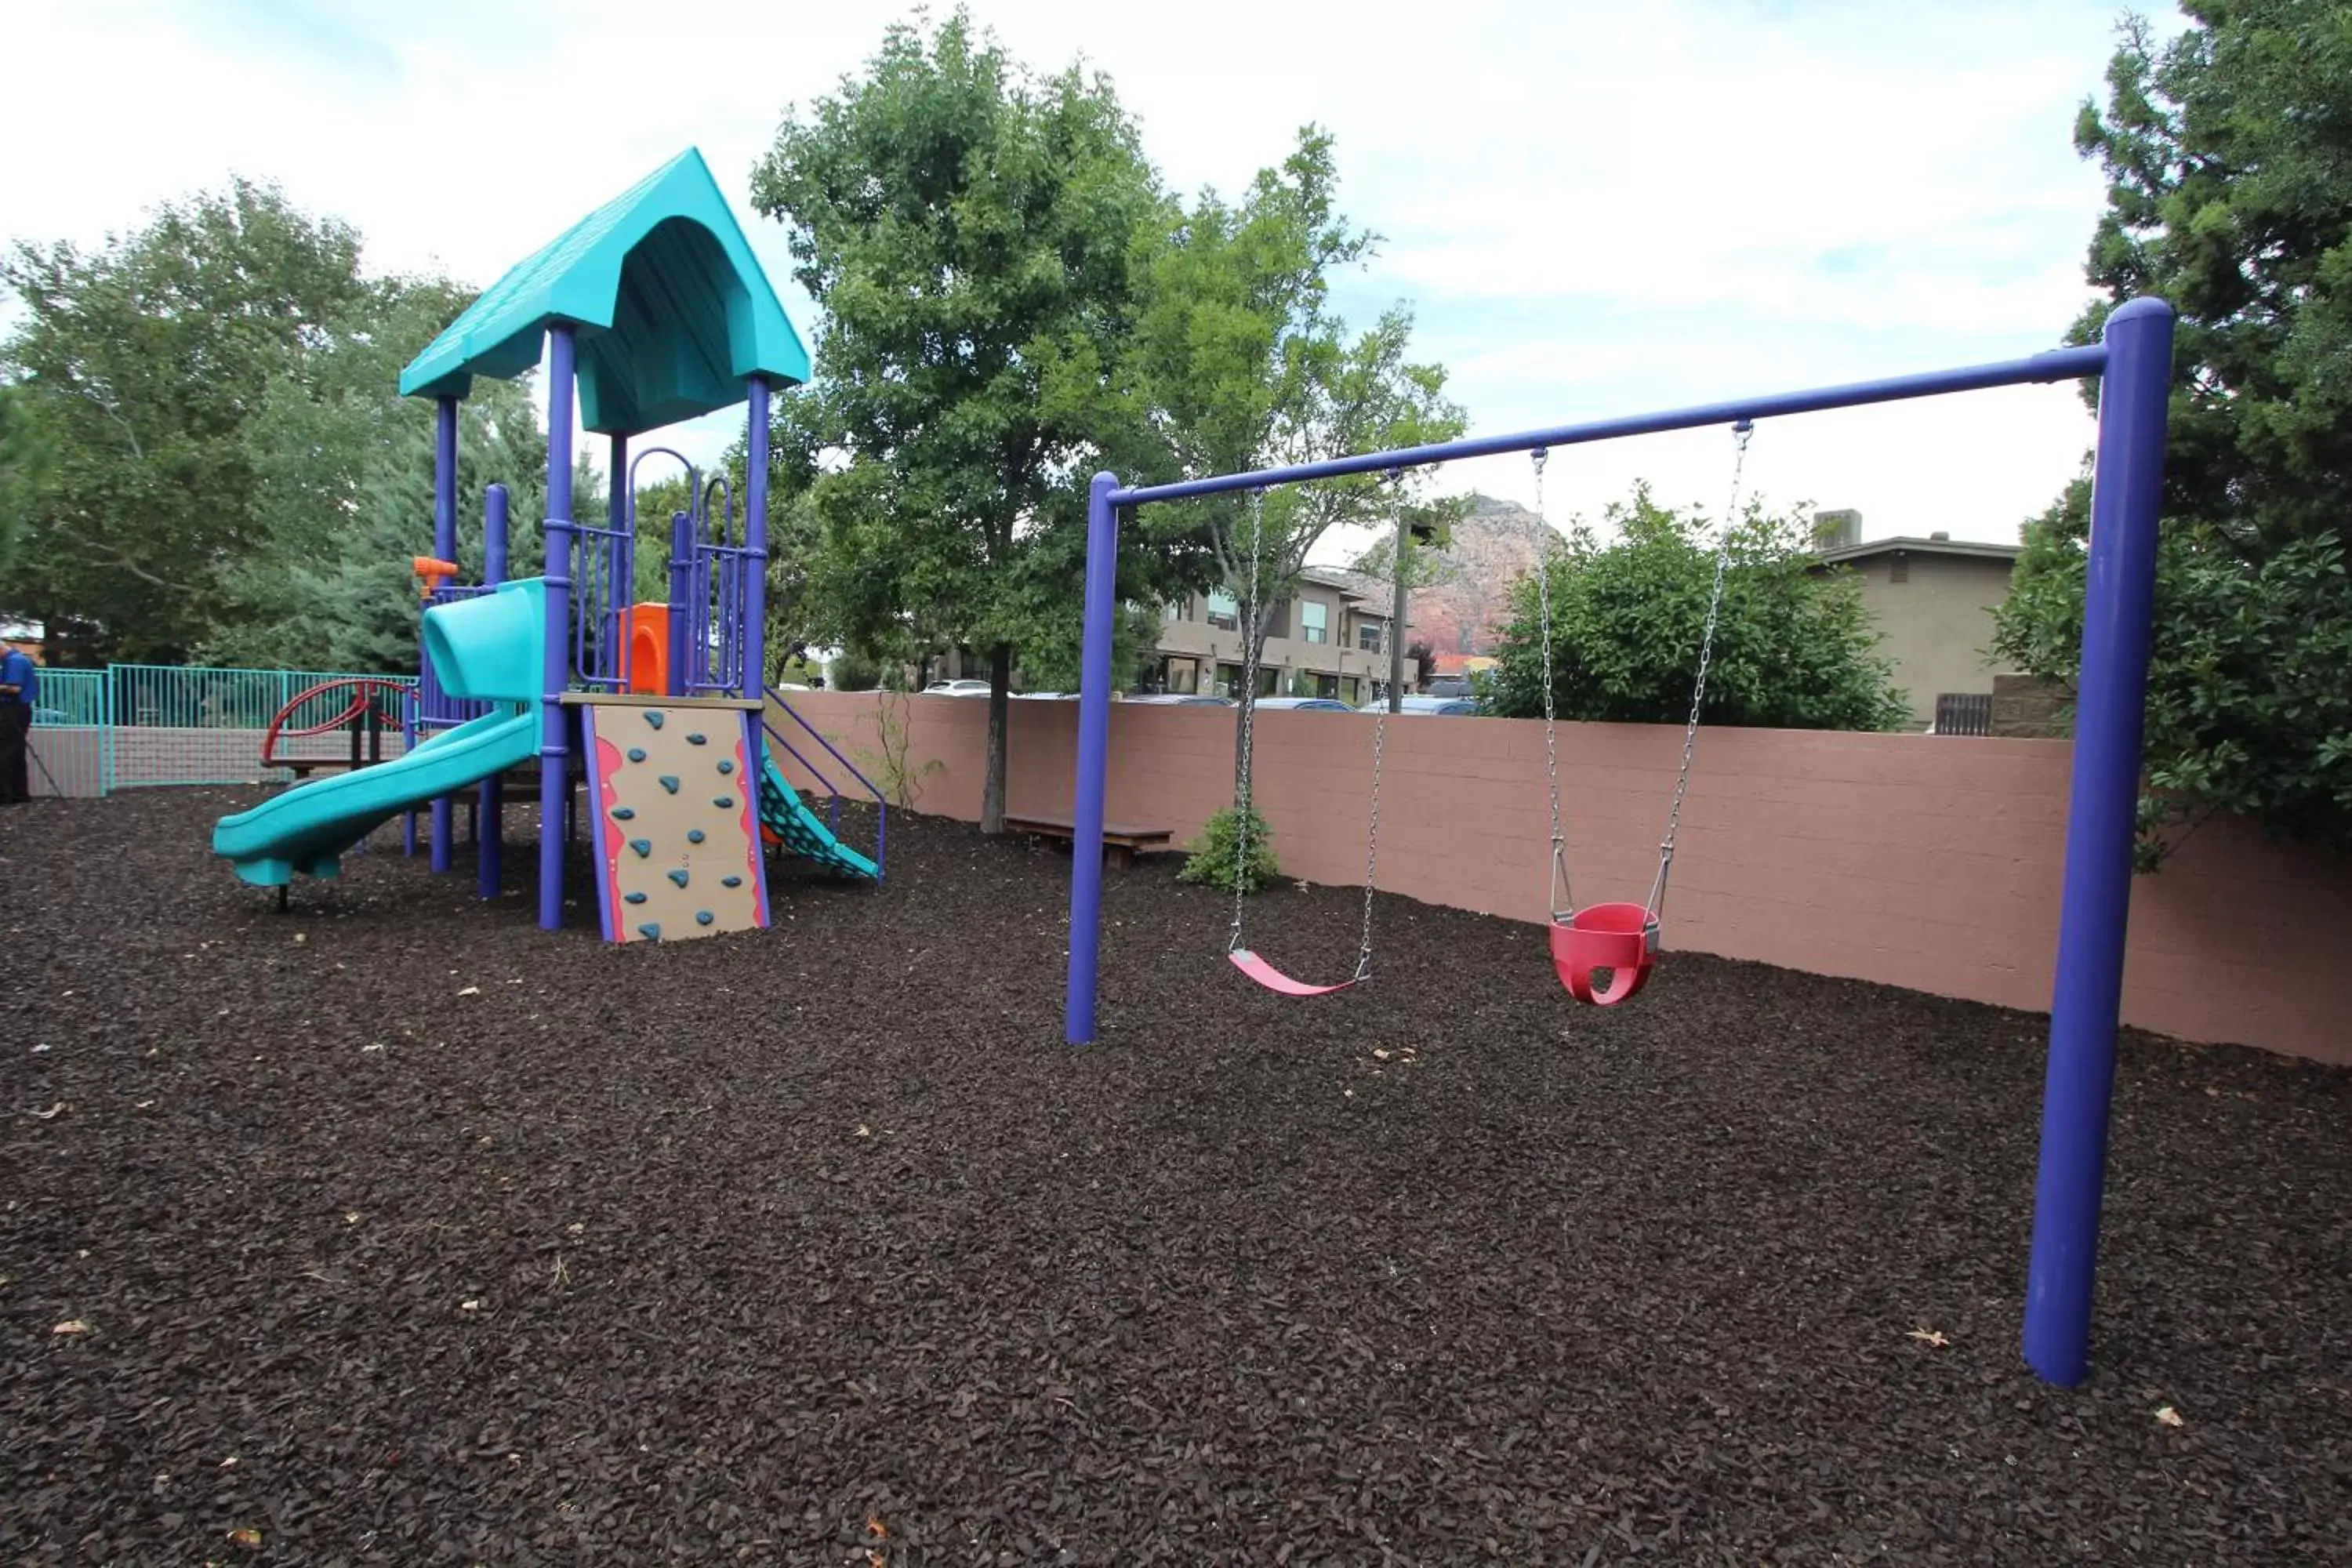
435,708
715,591
833,810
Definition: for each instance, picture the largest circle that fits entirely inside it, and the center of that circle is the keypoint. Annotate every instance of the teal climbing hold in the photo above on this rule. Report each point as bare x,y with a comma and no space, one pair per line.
670,782
650,930
697,739
643,847
724,802
730,881
653,717
637,754
679,875
703,916
694,836
623,812
726,765
633,898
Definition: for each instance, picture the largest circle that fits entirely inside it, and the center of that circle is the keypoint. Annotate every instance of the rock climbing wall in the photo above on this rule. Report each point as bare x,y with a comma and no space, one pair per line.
677,841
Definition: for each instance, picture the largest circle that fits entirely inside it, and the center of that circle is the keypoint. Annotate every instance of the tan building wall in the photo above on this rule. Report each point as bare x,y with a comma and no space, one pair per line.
1192,646
1935,620
1932,862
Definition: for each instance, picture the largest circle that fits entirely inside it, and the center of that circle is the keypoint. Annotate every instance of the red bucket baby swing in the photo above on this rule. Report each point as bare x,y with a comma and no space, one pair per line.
1622,939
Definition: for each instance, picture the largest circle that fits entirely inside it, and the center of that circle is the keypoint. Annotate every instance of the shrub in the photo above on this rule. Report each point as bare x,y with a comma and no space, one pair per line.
1217,853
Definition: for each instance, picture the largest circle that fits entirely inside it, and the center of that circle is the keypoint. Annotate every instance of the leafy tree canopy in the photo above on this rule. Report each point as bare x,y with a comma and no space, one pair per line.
144,364
968,228
2229,193
1794,646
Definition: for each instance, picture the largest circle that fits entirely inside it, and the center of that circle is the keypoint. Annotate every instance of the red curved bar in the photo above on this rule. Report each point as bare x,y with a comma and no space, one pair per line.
362,685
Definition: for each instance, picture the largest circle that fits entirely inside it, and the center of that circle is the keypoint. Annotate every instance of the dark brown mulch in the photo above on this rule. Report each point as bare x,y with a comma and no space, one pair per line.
402,1232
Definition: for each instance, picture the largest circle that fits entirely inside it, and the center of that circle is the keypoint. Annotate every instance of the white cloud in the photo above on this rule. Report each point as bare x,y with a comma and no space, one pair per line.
1595,208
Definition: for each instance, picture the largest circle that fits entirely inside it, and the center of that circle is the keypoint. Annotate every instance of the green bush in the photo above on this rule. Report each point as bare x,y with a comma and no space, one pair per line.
848,672
1217,853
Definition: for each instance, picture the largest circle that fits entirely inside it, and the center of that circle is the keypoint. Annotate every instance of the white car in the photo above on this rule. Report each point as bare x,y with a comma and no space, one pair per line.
957,688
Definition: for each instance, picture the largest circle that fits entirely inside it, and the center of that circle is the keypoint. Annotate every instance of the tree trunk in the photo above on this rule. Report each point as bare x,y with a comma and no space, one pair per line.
999,710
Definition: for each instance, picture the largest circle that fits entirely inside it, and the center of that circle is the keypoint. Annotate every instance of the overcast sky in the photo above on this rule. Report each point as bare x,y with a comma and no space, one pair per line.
1594,207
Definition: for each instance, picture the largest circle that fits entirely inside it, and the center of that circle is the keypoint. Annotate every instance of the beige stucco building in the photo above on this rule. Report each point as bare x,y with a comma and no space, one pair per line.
1933,599
1329,640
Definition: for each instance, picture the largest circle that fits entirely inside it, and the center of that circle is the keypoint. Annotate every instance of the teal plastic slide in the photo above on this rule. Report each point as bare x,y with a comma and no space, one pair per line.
491,647
804,832
309,827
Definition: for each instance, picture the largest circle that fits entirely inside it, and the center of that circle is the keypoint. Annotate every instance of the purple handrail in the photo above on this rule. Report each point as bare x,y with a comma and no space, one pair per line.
882,806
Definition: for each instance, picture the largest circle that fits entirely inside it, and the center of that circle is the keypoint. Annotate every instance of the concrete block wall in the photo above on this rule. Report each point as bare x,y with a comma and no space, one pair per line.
1931,862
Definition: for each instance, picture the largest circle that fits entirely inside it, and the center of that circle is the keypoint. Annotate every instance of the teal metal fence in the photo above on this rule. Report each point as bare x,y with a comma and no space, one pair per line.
135,724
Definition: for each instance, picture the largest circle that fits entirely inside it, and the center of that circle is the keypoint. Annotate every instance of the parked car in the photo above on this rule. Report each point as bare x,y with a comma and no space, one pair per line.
1308,704
1183,700
957,688
1450,686
1447,705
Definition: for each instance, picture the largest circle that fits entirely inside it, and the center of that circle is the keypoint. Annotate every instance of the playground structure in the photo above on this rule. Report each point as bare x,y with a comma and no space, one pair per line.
2133,362
651,311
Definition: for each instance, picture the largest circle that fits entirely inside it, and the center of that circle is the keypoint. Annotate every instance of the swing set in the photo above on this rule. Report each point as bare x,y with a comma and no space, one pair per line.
2132,364
1619,939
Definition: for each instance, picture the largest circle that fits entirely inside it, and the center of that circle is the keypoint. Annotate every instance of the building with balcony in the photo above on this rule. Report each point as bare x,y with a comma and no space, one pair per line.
1328,640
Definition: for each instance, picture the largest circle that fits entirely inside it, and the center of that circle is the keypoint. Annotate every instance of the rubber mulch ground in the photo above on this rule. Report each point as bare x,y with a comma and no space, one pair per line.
398,1231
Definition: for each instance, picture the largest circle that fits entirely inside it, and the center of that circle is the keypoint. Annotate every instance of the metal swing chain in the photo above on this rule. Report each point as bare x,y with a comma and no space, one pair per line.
1380,731
1249,711
1740,433
1563,899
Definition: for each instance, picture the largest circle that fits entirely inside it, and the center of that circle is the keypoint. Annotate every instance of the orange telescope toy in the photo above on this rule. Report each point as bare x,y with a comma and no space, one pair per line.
433,572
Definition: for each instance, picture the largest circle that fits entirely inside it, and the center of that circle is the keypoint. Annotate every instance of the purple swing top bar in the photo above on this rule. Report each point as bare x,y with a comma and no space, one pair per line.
2057,365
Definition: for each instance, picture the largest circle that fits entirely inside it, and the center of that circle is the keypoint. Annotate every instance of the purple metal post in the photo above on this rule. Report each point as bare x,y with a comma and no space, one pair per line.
408,743
489,823
681,581
1094,758
2126,499
445,548
621,517
554,784
753,601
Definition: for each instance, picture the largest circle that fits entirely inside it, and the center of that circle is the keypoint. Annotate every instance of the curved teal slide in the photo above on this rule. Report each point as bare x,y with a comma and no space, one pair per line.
490,648
309,827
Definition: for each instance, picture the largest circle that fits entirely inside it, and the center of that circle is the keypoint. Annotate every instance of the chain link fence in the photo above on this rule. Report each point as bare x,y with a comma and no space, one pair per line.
127,725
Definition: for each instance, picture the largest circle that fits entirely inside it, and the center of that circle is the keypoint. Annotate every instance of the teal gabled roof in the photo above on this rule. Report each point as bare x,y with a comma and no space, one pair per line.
671,307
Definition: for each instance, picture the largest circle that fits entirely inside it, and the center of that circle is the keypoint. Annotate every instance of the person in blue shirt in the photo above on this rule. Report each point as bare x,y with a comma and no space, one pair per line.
19,684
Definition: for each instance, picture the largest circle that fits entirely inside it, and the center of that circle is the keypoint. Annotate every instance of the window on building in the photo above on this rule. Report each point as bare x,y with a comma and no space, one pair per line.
1898,569
1327,686
1351,692
1368,637
1224,611
1183,675
1229,681
1314,624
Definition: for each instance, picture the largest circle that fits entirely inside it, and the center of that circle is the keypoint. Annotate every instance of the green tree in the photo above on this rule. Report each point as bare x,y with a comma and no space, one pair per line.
1793,646
1245,363
968,229
343,496
2230,195
25,461
143,365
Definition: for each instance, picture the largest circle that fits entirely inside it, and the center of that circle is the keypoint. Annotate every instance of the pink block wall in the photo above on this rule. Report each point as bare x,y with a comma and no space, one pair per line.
1931,862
